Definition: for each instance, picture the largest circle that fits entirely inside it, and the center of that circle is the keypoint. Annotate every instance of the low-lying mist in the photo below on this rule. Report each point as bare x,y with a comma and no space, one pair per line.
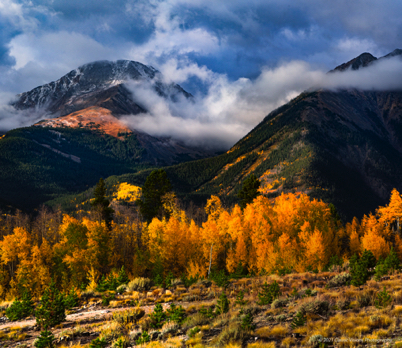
230,109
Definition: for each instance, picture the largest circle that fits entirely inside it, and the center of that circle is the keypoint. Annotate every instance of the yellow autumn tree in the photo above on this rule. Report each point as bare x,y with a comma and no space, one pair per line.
376,236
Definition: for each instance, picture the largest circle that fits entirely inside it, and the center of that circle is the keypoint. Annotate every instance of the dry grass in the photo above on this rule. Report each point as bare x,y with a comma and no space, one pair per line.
262,345
288,342
276,331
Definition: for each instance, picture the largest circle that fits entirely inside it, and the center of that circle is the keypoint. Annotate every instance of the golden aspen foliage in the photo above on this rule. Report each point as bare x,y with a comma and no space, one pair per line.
98,245
41,268
73,248
393,211
127,192
355,246
15,248
213,208
288,253
258,225
398,246
375,236
239,240
170,205
195,270
315,253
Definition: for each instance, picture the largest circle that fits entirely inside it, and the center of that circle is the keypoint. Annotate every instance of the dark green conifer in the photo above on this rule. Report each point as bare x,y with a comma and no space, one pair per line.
155,187
249,190
222,305
51,310
101,204
122,277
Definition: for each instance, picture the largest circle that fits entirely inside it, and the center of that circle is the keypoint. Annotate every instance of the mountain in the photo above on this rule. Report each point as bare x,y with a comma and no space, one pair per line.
101,83
81,137
344,147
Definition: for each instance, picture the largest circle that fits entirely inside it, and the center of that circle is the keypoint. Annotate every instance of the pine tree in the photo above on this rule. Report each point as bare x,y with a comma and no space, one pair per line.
51,311
360,269
158,317
299,320
155,187
21,309
222,305
122,277
45,340
101,203
249,190
102,285
268,293
71,300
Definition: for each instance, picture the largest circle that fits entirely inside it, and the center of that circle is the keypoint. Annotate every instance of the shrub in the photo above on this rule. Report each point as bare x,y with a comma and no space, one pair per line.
240,299
364,299
339,280
204,282
222,305
128,316
299,320
196,319
281,317
71,300
268,293
52,310
384,299
20,309
390,263
360,269
192,332
335,260
144,338
176,314
45,340
315,307
207,312
139,284
168,279
106,298
98,343
158,316
247,322
220,278
121,342
315,340
122,288
122,277
279,303
233,333
252,309
343,304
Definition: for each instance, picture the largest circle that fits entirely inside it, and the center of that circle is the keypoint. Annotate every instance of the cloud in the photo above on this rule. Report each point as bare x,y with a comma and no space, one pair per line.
227,111
11,118
230,109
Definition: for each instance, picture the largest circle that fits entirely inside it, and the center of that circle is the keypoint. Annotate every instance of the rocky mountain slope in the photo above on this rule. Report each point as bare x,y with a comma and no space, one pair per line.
344,147
101,83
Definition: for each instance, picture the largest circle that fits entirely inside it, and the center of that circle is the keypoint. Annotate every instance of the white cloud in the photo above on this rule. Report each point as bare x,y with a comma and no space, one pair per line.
57,49
230,109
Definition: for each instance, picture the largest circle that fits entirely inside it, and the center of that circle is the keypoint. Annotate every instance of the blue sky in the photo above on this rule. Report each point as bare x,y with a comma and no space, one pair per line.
206,46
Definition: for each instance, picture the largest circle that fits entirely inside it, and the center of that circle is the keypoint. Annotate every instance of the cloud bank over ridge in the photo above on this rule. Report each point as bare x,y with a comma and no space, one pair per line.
230,109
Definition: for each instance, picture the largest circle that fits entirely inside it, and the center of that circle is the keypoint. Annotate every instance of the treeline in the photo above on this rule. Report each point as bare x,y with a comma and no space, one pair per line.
292,233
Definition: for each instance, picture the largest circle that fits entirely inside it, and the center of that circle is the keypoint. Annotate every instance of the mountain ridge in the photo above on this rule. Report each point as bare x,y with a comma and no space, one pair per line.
100,83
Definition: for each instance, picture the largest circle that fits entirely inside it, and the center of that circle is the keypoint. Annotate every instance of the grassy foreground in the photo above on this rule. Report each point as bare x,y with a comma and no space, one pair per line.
312,309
